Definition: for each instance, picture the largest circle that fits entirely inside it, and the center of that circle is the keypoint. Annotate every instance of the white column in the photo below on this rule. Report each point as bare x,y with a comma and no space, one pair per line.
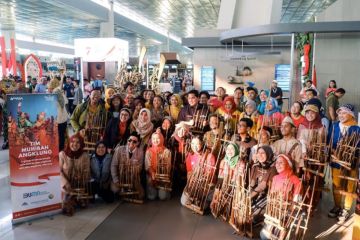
249,13
107,31
226,14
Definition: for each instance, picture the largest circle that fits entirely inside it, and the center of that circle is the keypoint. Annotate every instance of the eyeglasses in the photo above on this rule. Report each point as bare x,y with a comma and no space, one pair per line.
132,141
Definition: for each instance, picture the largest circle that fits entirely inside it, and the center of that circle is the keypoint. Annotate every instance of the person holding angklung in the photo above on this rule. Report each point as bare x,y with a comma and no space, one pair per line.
158,167
74,175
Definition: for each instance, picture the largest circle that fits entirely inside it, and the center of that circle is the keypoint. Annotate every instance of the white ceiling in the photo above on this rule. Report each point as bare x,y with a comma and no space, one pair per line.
60,21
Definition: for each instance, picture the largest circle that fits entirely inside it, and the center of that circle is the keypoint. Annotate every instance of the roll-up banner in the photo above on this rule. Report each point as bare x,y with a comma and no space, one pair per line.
34,155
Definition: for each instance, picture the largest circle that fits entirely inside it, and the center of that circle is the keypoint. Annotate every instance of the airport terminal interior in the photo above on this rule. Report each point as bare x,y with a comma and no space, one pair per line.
179,119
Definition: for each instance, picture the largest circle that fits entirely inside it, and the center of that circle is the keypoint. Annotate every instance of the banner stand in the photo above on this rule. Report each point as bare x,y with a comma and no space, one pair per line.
37,216
33,156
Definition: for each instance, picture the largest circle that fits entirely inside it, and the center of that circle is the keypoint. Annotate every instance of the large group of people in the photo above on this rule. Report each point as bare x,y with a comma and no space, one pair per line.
134,146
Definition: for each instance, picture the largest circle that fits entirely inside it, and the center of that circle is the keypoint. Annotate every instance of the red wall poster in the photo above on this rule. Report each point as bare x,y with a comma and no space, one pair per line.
34,155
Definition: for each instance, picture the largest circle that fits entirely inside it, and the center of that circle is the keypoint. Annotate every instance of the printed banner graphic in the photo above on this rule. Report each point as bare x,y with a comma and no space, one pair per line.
34,154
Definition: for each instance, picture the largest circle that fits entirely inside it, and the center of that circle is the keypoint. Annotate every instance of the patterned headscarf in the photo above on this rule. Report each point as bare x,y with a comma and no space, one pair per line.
143,128
232,161
77,153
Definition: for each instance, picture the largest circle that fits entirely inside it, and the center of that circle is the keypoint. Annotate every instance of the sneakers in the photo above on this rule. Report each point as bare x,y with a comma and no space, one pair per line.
343,215
334,212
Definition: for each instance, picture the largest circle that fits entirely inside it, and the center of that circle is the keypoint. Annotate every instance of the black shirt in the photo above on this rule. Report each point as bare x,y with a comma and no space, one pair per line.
275,92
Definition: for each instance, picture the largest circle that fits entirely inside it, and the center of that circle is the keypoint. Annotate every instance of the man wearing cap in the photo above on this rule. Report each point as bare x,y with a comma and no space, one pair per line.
288,144
276,92
346,126
332,103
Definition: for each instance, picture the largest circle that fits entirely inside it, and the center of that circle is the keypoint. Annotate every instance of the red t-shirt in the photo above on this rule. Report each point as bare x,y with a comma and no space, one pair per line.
298,121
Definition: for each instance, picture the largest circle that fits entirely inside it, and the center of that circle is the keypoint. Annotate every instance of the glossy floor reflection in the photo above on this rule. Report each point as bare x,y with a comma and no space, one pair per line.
168,220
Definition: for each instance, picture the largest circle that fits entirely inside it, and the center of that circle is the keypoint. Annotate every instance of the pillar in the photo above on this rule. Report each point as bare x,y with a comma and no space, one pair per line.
107,31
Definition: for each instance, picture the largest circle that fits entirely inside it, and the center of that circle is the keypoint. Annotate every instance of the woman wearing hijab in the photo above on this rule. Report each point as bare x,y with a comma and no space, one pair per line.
143,126
262,172
264,136
286,182
345,127
261,175
251,113
155,155
264,94
74,174
175,106
272,115
108,94
100,163
230,114
118,129
230,170
312,132
288,186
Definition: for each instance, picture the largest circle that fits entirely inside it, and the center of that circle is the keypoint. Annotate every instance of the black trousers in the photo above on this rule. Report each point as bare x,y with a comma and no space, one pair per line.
106,194
62,134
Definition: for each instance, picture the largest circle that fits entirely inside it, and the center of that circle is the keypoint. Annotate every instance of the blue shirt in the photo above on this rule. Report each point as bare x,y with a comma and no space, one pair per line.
335,131
40,88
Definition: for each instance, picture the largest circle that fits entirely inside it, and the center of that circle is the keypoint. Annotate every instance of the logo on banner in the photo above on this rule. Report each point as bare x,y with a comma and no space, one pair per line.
34,194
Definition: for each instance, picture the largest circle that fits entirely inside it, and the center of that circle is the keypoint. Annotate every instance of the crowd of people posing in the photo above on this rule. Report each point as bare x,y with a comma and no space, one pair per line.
151,146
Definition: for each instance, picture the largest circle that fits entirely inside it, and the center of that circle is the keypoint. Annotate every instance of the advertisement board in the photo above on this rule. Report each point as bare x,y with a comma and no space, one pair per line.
102,49
34,155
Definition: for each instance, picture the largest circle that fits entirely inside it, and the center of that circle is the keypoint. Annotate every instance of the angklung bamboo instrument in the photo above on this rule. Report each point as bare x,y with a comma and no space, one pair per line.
129,182
346,155
316,163
241,212
80,184
275,127
222,200
163,174
94,129
223,196
200,184
284,218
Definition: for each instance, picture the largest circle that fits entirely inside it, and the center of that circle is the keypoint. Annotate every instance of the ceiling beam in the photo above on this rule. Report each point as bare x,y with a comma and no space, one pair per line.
285,28
102,13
